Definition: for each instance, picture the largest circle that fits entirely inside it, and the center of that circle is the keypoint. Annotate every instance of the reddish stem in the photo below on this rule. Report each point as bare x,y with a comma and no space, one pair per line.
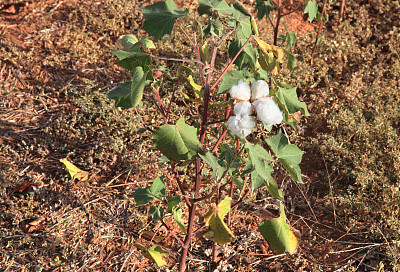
278,19
172,98
319,28
180,185
160,107
230,64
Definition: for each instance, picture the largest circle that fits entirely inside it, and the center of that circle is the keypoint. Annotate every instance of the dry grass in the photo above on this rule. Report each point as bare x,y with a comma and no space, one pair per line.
55,68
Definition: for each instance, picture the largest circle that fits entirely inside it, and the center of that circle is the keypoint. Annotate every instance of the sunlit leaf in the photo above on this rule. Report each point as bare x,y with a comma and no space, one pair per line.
177,142
154,254
213,161
220,232
160,18
278,234
260,160
157,189
288,154
289,101
312,9
220,6
74,171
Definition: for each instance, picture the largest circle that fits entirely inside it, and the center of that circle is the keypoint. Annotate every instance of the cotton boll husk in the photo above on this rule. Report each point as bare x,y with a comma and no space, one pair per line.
241,126
268,111
242,108
241,91
259,89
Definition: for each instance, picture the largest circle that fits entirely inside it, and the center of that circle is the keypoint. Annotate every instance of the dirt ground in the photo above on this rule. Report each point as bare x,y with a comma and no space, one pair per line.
56,66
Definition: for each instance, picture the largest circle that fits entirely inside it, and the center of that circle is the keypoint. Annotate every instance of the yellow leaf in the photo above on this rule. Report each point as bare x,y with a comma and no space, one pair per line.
74,171
269,52
154,254
220,232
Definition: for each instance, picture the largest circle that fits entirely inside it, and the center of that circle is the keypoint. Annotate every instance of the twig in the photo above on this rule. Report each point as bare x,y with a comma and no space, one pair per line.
141,121
180,185
230,64
177,59
172,97
319,29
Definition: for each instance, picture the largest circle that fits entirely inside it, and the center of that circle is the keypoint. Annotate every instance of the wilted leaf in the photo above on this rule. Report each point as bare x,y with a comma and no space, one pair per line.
74,171
270,56
157,213
177,142
278,234
36,225
25,186
160,18
154,254
177,214
220,232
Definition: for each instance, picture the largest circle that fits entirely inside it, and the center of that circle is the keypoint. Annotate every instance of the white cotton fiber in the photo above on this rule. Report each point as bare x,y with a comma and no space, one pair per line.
241,126
268,111
241,91
259,89
242,108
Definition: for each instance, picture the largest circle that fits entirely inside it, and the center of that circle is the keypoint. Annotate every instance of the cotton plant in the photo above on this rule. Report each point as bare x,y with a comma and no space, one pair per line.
248,98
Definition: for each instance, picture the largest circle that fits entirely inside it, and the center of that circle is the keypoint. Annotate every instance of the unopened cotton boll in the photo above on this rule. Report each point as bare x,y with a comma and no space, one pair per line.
242,108
268,111
241,91
241,125
259,89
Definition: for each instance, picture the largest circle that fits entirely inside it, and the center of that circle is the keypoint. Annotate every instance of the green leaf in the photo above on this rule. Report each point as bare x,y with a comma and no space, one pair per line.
146,42
267,60
177,214
160,18
260,161
312,9
129,94
290,39
157,213
214,27
273,189
220,232
145,195
177,142
229,79
288,154
157,189
212,161
252,55
263,8
154,254
233,49
172,202
289,101
131,60
220,6
292,61
278,234
128,41
142,196
74,171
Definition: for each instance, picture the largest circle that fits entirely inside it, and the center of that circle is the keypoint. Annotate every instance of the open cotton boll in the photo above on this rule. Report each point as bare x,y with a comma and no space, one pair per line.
242,108
268,111
241,126
259,89
241,91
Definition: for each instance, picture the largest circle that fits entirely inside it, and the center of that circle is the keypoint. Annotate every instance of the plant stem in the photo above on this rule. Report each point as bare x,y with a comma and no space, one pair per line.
319,28
203,130
178,180
177,59
278,19
230,64
172,98
160,107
